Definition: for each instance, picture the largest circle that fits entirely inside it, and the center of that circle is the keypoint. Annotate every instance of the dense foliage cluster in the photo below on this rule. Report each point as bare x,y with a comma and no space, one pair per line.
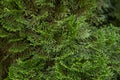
59,40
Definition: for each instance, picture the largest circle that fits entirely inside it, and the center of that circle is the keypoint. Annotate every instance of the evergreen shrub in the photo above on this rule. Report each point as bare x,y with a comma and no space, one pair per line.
51,40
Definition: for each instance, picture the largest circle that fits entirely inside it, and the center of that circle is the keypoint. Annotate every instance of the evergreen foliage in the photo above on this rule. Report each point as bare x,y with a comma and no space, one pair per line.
58,40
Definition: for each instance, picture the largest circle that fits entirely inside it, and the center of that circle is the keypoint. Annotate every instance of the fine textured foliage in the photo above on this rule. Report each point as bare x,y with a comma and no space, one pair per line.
56,40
